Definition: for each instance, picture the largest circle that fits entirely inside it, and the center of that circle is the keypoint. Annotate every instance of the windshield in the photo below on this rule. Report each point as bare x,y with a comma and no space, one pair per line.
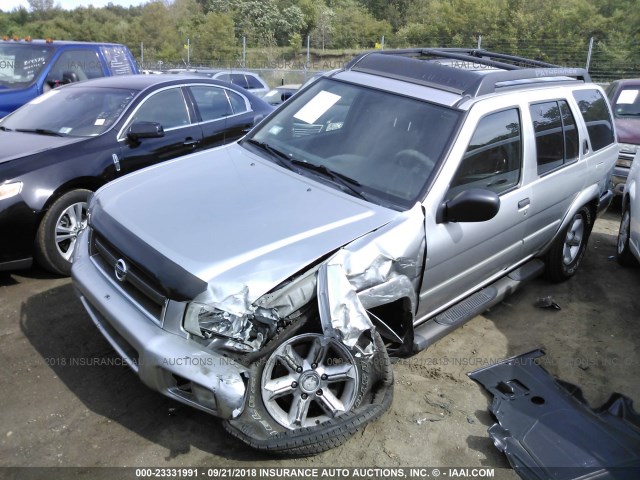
628,103
20,64
75,111
385,145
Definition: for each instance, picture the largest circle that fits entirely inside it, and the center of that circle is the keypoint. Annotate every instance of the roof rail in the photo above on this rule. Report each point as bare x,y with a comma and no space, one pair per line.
424,66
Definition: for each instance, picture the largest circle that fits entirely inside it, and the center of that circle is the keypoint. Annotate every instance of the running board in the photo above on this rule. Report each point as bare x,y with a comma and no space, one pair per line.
433,330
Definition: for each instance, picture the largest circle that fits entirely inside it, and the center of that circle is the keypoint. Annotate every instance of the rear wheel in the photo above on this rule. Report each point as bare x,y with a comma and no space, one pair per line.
625,257
564,257
59,229
312,393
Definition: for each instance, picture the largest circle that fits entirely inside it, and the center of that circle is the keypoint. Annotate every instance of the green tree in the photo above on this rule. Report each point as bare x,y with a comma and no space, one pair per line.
321,35
355,27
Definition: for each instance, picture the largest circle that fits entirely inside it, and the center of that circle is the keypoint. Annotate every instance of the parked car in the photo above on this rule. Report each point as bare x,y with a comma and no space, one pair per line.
280,94
65,144
247,80
625,101
29,68
629,234
371,214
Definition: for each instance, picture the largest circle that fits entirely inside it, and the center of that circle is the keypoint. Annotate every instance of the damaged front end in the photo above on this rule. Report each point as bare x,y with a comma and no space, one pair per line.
315,348
345,289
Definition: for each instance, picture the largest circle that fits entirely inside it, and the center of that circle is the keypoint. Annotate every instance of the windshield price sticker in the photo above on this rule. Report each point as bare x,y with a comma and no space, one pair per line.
627,97
317,106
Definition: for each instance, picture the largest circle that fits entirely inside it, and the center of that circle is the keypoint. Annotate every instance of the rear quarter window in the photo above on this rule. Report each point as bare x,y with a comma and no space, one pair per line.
118,60
254,82
595,113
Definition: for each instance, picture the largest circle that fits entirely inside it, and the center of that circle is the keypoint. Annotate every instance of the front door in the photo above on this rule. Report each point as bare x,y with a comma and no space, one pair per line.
181,134
463,256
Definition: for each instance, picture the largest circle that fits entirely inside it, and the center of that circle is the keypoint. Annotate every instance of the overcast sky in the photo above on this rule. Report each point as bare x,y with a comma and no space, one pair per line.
8,5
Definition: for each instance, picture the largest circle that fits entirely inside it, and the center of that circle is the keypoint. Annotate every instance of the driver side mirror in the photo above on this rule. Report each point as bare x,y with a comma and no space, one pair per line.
473,205
140,130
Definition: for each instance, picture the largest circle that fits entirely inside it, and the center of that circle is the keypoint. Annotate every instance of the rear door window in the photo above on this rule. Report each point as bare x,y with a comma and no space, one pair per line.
595,113
556,134
212,102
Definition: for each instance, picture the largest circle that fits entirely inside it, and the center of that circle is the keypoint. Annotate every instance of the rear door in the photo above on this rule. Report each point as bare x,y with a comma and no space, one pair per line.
557,169
463,256
182,134
225,115
569,132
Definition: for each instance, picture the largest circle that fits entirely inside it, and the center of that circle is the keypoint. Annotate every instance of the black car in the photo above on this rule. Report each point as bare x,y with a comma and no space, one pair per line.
67,143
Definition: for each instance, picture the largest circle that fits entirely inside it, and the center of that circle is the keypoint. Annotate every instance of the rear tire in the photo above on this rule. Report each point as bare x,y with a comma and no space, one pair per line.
295,409
625,257
563,259
59,229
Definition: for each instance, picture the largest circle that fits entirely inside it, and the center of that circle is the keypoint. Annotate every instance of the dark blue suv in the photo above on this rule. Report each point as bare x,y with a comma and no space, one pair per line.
29,68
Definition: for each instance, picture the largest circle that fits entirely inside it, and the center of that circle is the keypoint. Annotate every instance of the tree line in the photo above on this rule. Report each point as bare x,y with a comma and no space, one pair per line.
557,31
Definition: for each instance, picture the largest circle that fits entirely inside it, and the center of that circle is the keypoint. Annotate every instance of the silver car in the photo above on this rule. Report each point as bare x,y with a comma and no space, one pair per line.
269,281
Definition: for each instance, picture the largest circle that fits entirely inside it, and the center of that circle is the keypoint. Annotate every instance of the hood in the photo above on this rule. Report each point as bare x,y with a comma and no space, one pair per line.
237,222
628,130
17,144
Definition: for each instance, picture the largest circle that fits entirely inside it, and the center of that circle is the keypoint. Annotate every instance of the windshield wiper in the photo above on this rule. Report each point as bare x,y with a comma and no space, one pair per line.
41,131
281,158
5,129
337,177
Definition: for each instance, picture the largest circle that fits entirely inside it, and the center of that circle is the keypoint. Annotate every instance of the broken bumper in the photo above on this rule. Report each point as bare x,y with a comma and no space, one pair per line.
171,364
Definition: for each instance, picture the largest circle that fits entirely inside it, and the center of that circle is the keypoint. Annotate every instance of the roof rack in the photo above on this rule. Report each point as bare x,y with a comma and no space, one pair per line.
425,66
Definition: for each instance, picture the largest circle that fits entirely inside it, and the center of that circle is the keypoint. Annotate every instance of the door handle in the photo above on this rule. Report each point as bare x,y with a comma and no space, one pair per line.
191,142
524,203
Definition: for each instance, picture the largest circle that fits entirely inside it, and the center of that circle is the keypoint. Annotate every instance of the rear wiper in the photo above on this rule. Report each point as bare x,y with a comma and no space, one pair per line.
276,154
339,178
41,131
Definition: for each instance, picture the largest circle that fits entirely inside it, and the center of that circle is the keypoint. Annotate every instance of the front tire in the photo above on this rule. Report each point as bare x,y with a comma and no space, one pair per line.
59,229
625,257
563,259
311,394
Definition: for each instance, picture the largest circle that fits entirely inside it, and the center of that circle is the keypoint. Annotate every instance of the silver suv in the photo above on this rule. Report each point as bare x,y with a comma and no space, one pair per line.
267,282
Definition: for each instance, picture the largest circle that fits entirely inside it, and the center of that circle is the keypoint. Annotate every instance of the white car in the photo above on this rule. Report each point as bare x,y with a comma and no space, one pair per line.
629,235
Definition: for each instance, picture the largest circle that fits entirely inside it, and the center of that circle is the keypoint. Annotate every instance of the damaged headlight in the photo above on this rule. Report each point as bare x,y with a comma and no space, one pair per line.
245,333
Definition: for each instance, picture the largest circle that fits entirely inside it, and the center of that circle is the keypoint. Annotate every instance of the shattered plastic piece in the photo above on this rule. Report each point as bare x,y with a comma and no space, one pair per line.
340,308
547,302
547,430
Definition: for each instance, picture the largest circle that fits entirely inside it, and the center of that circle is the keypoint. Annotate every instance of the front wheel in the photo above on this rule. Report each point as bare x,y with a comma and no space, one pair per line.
625,257
312,393
564,257
59,229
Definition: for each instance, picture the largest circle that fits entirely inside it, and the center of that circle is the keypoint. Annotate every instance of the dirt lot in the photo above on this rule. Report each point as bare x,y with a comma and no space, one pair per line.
95,414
